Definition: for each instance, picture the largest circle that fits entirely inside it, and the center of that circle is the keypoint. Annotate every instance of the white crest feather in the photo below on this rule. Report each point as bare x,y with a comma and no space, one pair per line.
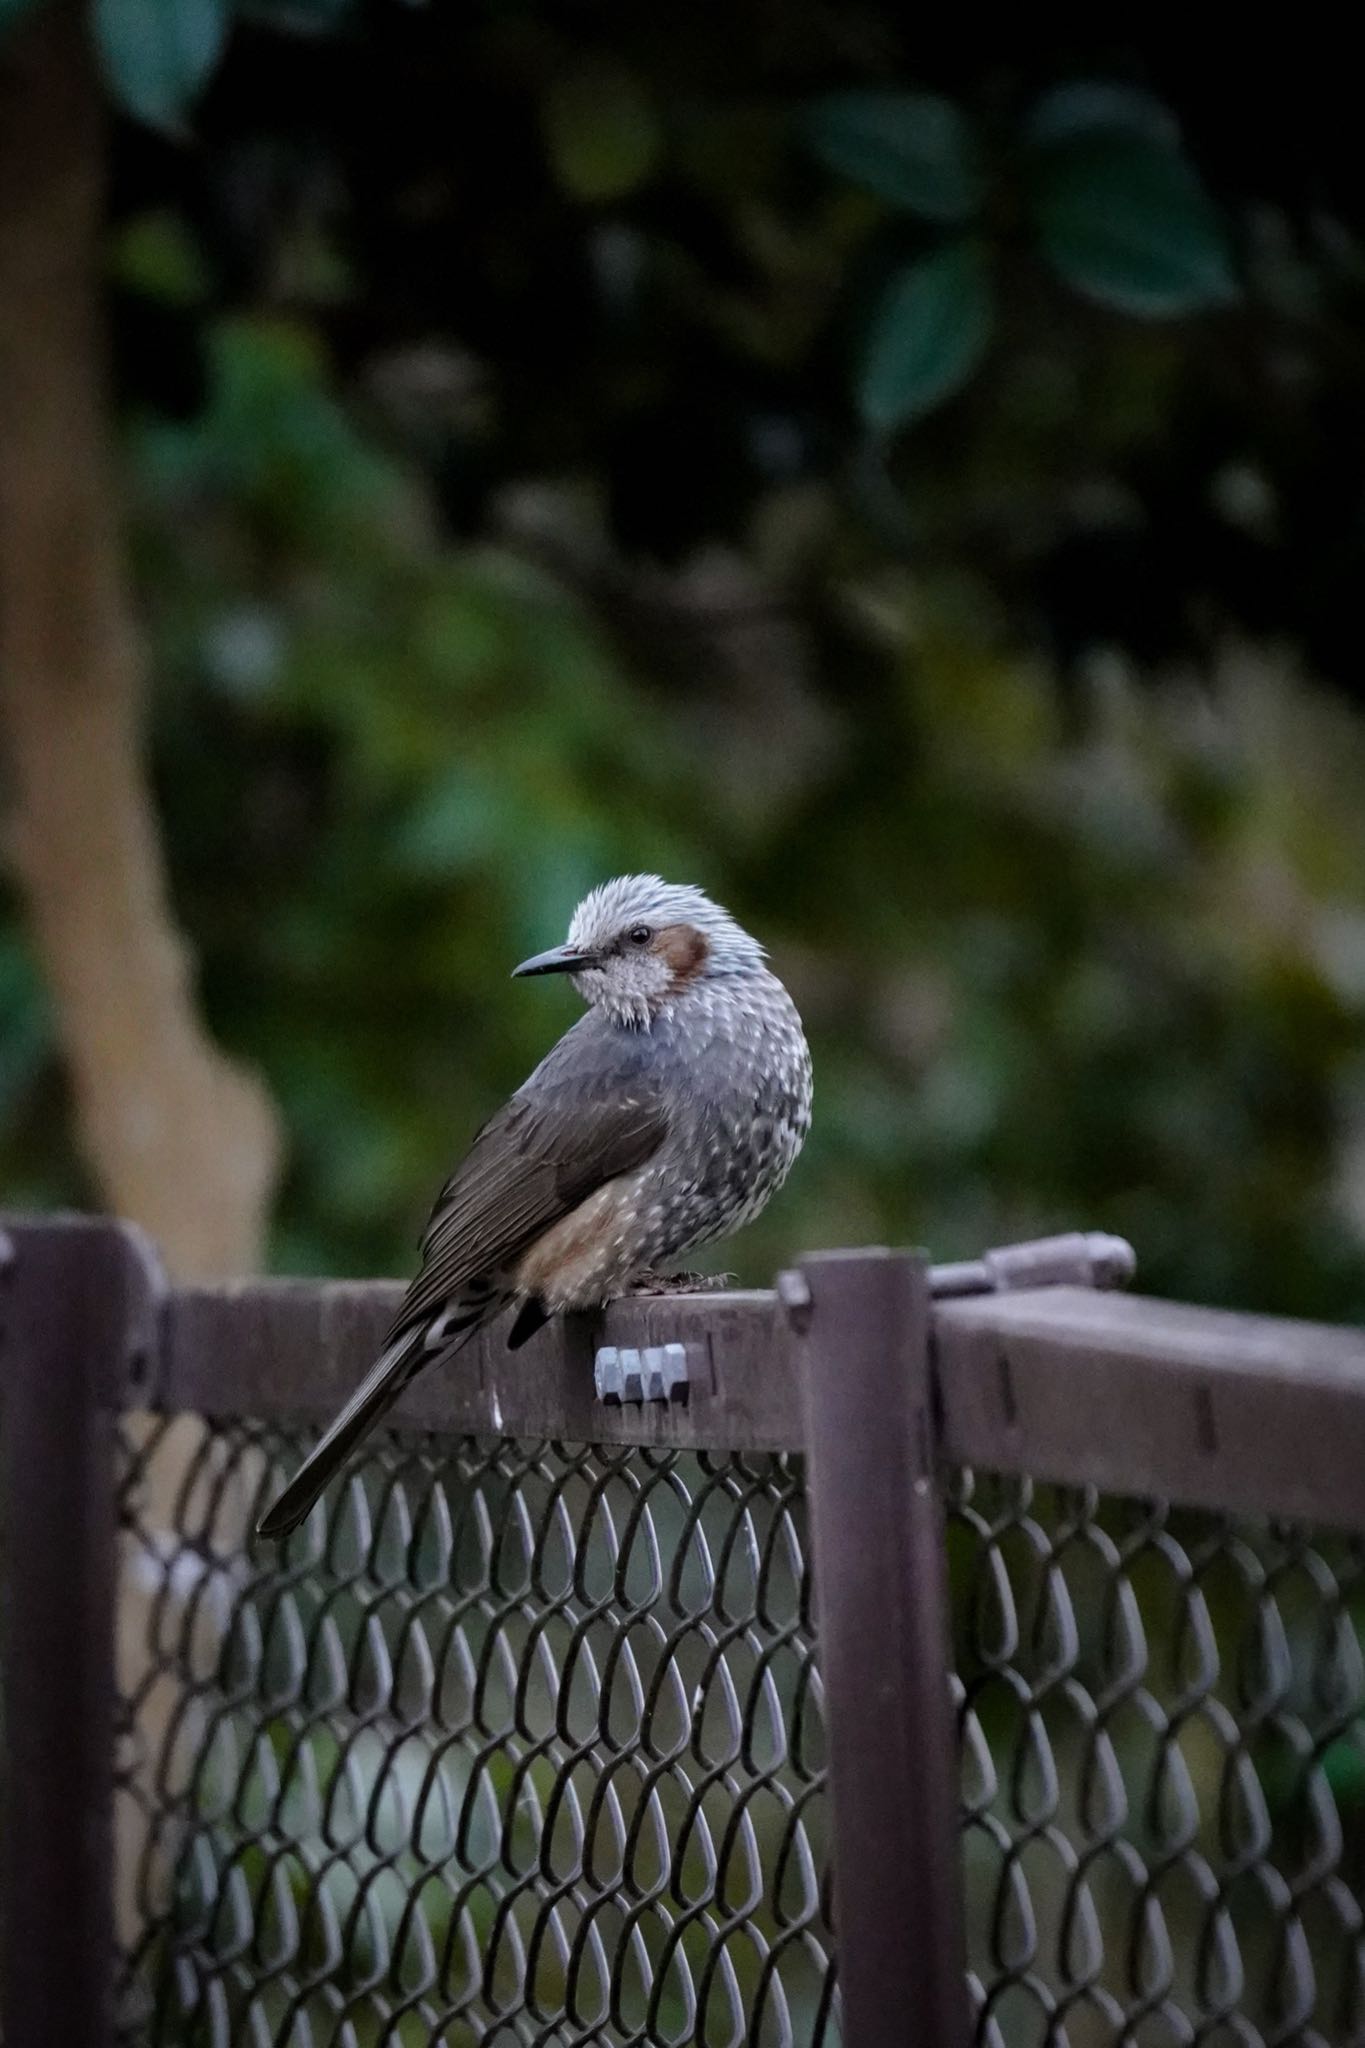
614,906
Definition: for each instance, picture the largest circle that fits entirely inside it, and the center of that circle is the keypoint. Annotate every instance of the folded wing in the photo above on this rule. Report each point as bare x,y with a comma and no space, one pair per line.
555,1143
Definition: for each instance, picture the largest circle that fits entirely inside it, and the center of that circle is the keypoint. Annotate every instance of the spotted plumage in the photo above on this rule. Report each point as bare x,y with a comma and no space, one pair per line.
662,1120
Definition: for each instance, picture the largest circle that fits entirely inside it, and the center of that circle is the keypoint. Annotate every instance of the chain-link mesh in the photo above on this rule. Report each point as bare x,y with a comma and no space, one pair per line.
526,1746
1163,1720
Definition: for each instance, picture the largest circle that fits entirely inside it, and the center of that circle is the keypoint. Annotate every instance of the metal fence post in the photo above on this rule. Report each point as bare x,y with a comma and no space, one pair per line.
77,1307
882,1627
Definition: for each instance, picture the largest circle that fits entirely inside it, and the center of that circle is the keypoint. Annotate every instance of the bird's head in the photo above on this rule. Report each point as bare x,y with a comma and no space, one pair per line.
638,944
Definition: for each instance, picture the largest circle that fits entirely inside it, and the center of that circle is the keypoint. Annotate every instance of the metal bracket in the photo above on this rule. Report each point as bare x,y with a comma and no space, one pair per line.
650,1372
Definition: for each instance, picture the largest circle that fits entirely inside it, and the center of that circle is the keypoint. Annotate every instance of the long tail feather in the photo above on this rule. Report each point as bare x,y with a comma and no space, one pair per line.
372,1399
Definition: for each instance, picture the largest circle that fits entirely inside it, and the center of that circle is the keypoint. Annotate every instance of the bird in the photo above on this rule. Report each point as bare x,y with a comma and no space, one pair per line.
665,1118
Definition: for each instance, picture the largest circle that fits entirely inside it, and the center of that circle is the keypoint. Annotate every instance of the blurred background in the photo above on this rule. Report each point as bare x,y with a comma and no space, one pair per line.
909,483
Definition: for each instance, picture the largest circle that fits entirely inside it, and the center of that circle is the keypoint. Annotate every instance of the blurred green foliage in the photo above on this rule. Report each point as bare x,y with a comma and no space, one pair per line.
156,55
1101,179
494,402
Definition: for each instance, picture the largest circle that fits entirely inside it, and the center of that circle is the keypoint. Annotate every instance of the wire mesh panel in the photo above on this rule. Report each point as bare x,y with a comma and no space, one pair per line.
1163,1718
519,1743
524,1742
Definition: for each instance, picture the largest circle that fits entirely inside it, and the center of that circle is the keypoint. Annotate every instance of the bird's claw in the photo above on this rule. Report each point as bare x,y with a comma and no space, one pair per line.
648,1372
680,1283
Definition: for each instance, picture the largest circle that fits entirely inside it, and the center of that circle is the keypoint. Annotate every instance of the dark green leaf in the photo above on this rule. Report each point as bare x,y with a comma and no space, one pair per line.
10,11
912,148
1128,222
156,55
601,132
299,17
156,255
1344,1769
25,1021
927,334
1097,106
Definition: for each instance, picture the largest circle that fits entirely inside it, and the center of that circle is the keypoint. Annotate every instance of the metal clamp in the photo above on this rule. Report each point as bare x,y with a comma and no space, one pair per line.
650,1372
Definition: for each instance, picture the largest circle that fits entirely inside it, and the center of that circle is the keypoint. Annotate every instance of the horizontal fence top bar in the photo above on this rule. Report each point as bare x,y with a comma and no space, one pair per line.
294,1350
1249,1414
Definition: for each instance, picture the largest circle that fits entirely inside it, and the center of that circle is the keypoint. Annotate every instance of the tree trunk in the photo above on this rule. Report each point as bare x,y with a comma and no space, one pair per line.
176,1136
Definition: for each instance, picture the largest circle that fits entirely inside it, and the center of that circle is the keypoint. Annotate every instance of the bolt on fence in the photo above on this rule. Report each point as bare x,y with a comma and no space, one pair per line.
966,1659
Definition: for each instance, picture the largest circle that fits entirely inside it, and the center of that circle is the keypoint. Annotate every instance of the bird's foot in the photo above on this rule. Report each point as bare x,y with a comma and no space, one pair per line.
680,1283
647,1372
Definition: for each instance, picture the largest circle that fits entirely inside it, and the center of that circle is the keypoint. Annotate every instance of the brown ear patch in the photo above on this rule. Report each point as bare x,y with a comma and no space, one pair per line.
684,948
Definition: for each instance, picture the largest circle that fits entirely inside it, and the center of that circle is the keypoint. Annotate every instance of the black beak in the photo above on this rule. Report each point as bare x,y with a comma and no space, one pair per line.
559,960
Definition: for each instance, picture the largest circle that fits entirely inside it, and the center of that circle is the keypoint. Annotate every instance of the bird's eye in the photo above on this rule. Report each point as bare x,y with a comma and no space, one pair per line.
639,935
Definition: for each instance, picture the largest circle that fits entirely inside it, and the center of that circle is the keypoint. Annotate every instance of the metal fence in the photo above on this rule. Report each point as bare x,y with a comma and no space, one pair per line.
964,1670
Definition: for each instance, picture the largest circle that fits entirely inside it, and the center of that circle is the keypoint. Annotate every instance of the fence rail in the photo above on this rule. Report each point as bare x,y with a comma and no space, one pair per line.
1248,1414
965,1640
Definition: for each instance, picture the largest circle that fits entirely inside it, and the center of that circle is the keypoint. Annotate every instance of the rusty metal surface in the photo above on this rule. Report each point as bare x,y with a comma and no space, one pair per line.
883,1634
77,1303
1251,1414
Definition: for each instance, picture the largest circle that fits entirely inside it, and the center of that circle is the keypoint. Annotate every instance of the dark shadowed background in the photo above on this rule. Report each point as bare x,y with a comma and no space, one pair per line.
910,483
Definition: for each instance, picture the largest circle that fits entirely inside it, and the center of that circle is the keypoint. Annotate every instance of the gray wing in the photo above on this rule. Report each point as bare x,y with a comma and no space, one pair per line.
587,1114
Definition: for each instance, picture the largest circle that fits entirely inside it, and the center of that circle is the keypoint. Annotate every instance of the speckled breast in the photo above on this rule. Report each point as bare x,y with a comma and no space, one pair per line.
738,1084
